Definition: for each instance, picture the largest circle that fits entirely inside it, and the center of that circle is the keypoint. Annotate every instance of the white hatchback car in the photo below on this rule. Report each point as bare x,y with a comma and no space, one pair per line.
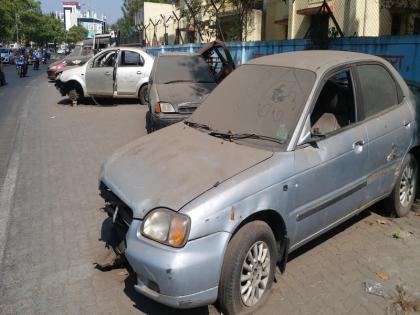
7,55
120,72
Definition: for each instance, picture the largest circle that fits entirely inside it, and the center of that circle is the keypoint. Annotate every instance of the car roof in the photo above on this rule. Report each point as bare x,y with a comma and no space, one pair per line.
313,60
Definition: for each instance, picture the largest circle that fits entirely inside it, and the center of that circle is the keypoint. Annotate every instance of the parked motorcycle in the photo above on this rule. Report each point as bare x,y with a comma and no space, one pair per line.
22,67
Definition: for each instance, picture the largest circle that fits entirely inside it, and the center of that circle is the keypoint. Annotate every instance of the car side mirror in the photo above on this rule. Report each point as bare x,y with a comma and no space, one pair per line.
308,136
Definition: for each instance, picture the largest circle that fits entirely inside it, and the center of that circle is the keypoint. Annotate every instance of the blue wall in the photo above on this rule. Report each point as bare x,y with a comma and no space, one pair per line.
402,51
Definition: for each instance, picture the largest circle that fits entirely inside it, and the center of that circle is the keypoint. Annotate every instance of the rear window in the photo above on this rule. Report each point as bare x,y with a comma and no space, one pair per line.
379,90
185,68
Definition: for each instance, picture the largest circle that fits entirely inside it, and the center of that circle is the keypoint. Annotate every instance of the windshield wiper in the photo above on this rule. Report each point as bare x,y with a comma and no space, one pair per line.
188,81
177,81
240,136
196,125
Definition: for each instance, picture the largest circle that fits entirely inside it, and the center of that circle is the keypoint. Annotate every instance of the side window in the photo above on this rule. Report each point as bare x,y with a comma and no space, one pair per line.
131,59
379,90
106,59
335,106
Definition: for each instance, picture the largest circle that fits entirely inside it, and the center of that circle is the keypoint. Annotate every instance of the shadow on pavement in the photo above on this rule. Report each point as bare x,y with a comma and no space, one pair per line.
151,307
88,101
337,230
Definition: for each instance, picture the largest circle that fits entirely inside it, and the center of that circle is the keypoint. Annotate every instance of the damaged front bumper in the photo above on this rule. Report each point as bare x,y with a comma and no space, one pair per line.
178,277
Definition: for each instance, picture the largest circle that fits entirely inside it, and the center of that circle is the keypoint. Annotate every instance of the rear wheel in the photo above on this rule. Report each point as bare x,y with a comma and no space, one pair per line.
248,269
401,200
143,95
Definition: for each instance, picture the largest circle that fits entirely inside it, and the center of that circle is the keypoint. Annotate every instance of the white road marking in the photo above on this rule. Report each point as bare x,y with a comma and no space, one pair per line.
7,190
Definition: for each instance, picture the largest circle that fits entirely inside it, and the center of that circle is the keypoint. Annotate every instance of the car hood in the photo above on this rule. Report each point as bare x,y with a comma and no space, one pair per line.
172,166
179,93
73,70
55,63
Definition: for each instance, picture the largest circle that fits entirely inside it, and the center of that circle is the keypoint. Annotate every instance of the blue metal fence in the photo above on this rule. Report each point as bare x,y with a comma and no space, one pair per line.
402,51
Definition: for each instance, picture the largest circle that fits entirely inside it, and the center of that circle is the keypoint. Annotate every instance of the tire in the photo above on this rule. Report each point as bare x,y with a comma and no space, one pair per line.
254,235
149,122
402,197
143,95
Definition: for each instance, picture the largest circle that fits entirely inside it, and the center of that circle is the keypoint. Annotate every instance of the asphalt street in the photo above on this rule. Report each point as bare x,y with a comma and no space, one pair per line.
51,221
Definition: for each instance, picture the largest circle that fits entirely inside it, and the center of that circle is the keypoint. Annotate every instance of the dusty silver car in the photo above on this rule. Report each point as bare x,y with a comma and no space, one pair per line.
285,148
179,82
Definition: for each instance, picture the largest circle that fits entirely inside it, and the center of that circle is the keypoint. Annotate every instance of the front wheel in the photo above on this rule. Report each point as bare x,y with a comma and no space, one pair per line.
248,269
143,95
401,200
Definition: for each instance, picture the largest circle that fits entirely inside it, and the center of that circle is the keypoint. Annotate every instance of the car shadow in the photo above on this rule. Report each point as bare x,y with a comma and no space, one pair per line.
151,307
104,102
377,208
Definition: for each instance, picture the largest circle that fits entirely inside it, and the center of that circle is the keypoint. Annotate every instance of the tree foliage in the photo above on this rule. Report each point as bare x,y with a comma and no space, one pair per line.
76,34
24,19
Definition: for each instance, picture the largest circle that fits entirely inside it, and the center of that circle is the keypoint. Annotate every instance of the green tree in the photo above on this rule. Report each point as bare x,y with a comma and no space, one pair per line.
14,18
76,34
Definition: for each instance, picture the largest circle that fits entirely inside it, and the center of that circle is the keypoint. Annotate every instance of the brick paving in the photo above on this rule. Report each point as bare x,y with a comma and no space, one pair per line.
54,230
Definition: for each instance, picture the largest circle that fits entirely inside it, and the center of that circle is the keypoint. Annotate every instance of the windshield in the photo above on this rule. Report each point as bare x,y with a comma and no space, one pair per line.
4,50
257,99
184,68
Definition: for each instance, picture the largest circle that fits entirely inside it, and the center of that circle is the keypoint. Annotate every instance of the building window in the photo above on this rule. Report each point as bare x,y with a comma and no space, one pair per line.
416,30
396,24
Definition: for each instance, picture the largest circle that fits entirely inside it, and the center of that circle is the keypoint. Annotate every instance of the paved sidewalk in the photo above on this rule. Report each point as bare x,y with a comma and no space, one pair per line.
54,229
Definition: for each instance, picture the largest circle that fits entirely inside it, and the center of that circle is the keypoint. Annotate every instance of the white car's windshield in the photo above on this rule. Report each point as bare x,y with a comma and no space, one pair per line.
257,100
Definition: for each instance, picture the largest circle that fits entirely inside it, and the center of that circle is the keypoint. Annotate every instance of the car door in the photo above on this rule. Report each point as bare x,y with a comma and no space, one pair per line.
331,172
100,74
129,72
389,124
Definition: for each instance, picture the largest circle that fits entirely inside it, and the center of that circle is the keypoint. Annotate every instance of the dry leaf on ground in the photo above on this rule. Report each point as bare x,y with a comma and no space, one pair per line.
382,275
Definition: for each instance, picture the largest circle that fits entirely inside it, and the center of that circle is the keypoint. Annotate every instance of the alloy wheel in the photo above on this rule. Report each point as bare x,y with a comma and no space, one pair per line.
255,273
407,186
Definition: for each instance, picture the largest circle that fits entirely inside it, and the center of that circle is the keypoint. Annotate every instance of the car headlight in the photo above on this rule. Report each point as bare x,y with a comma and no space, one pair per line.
167,227
164,107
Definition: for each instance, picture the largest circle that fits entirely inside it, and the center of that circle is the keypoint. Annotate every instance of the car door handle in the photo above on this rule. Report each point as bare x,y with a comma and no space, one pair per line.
107,73
358,146
138,72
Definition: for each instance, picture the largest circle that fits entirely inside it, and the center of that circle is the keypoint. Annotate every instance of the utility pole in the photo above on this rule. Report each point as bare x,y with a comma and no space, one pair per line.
17,28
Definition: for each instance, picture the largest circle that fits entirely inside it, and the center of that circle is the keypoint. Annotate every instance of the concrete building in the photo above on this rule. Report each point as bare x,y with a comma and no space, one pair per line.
355,18
151,14
73,15
71,11
276,19
90,21
93,25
